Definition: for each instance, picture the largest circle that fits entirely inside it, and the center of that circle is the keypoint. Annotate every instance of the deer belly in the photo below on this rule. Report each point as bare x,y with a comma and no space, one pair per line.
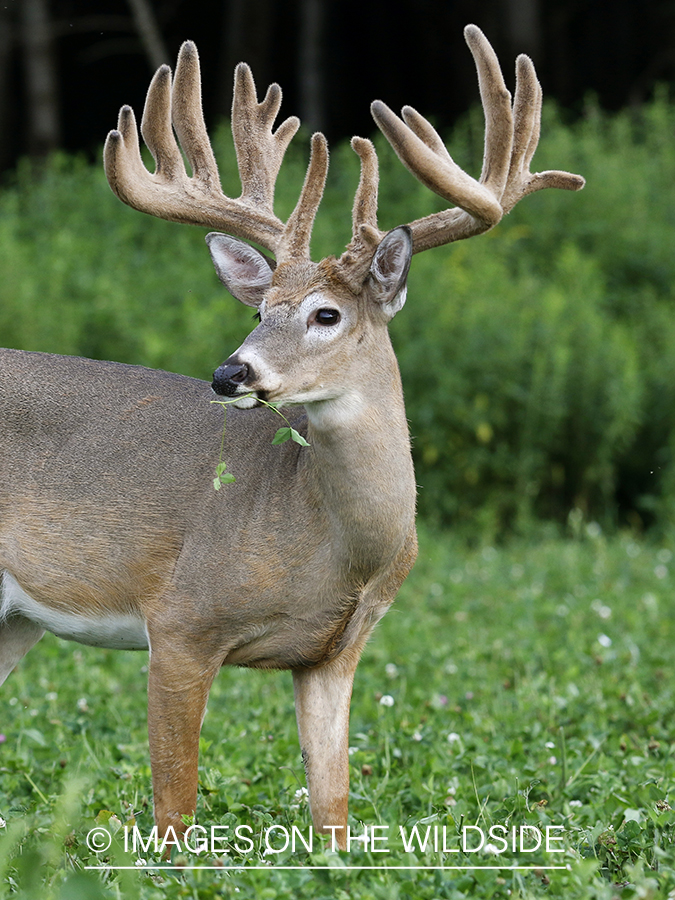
116,631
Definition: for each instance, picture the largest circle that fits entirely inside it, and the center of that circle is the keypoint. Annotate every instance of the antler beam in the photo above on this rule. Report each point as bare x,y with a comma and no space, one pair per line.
511,137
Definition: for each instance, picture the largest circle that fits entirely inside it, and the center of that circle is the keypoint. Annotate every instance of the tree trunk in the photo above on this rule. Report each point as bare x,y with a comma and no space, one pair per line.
44,126
6,108
149,33
523,27
310,74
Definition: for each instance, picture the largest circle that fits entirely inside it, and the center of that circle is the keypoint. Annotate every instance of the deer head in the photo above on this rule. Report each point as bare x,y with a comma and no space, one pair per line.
314,316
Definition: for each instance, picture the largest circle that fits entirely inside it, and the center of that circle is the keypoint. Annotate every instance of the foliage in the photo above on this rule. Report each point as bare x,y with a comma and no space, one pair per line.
283,434
538,360
526,685
547,380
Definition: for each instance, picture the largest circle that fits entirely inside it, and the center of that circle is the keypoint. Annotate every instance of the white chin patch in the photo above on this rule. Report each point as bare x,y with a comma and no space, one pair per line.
247,402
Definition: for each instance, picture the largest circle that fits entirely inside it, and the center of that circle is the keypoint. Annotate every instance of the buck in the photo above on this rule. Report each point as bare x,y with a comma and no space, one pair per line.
111,532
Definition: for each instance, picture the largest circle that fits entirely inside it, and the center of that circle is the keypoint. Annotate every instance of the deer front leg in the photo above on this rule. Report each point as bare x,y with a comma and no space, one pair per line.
178,688
322,698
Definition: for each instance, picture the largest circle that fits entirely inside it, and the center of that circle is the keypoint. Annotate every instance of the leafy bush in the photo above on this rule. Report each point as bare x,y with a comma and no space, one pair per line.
538,360
540,367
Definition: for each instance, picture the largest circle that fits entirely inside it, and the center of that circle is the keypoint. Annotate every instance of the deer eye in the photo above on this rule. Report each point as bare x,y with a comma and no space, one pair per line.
326,316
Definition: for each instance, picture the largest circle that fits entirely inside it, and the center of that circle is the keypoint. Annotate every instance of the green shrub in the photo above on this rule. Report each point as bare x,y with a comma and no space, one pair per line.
82,274
550,383
521,396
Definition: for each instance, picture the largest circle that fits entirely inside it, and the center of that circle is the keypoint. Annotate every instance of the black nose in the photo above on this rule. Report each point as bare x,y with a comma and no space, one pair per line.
228,379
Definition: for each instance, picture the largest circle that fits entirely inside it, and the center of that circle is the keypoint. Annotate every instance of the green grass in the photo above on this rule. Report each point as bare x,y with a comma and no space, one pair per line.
532,684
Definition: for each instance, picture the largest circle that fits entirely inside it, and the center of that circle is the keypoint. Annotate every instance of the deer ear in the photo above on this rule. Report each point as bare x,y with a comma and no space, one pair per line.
389,270
245,272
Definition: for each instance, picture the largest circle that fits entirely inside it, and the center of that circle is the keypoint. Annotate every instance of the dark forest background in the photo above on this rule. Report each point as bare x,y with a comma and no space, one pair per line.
67,65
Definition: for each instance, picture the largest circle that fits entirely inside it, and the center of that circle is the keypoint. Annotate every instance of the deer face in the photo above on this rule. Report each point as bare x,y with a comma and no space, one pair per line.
315,333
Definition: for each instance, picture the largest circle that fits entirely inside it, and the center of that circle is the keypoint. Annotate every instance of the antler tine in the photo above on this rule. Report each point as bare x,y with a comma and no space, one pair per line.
188,118
122,159
364,211
527,125
298,230
260,152
496,101
156,127
365,234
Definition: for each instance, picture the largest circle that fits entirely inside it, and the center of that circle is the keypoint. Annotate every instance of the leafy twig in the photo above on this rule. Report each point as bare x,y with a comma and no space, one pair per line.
283,434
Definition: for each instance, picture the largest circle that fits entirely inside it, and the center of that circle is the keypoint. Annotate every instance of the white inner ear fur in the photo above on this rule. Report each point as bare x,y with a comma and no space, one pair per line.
244,271
396,303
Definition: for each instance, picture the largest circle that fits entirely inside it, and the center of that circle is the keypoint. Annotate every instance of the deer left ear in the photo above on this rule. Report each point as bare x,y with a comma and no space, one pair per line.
389,270
244,271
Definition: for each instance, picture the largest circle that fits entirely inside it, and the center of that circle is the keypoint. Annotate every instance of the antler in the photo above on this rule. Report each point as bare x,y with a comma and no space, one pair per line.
170,193
511,137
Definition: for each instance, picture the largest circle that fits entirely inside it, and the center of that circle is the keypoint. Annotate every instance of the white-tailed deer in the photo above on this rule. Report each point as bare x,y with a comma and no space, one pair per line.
111,533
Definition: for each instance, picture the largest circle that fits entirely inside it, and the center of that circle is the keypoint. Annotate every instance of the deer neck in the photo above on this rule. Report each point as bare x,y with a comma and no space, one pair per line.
361,469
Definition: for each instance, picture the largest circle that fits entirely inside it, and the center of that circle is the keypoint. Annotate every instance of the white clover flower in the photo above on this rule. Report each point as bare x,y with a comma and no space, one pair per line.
353,750
417,736
82,704
604,640
601,609
141,862
391,670
453,737
301,795
52,695
549,745
361,837
386,700
576,803
3,824
492,849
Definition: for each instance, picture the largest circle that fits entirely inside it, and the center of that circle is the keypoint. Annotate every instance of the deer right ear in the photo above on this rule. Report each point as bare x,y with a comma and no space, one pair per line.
389,270
245,272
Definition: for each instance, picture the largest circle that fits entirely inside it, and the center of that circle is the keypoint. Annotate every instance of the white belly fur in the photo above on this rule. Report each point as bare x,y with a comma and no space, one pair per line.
117,632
